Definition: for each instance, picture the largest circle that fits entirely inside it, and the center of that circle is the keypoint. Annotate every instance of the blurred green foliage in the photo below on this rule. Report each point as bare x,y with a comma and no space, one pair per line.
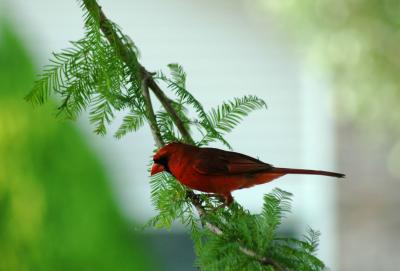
56,206
359,42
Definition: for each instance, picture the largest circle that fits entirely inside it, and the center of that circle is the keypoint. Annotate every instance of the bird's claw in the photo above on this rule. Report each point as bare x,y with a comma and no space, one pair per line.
219,197
223,205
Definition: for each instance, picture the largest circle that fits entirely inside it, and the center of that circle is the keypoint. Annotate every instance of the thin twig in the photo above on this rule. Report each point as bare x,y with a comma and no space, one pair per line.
150,113
130,59
165,101
263,260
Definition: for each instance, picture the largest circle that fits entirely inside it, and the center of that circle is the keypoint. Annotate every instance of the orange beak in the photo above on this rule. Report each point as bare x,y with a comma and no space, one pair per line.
156,168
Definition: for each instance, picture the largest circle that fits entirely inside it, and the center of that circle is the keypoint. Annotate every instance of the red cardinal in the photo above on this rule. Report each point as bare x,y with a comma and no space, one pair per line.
217,171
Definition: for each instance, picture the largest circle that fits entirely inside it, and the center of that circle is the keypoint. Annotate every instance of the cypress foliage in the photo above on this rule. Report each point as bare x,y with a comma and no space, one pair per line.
101,73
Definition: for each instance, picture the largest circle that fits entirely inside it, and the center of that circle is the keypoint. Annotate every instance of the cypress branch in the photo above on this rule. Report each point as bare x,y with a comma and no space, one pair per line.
148,81
102,72
150,113
167,104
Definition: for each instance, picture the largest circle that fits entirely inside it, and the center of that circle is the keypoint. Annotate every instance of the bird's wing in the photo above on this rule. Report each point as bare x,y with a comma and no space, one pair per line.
212,161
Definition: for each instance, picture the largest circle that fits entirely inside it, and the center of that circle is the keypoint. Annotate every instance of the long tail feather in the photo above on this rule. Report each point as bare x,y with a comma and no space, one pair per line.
307,171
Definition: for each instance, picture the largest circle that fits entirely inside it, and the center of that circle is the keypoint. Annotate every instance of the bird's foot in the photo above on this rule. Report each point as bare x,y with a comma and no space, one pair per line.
219,197
223,205
225,199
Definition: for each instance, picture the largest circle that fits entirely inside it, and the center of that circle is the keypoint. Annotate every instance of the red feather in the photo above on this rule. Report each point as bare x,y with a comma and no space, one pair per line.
217,171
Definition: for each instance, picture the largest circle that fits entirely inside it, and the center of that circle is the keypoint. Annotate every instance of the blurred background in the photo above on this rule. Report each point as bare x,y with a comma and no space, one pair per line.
70,200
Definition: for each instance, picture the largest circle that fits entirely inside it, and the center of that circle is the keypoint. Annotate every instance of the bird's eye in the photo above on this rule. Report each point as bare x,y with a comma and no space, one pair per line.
160,160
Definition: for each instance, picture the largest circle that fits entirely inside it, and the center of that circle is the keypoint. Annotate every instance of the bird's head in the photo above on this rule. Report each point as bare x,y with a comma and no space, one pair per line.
156,168
162,157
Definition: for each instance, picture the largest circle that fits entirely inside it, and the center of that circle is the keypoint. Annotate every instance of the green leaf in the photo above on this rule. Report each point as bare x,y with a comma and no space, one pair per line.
101,114
178,85
168,197
131,123
312,240
228,115
276,205
166,126
178,76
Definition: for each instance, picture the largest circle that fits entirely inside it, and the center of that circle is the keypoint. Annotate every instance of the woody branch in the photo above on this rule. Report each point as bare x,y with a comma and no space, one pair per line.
148,82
